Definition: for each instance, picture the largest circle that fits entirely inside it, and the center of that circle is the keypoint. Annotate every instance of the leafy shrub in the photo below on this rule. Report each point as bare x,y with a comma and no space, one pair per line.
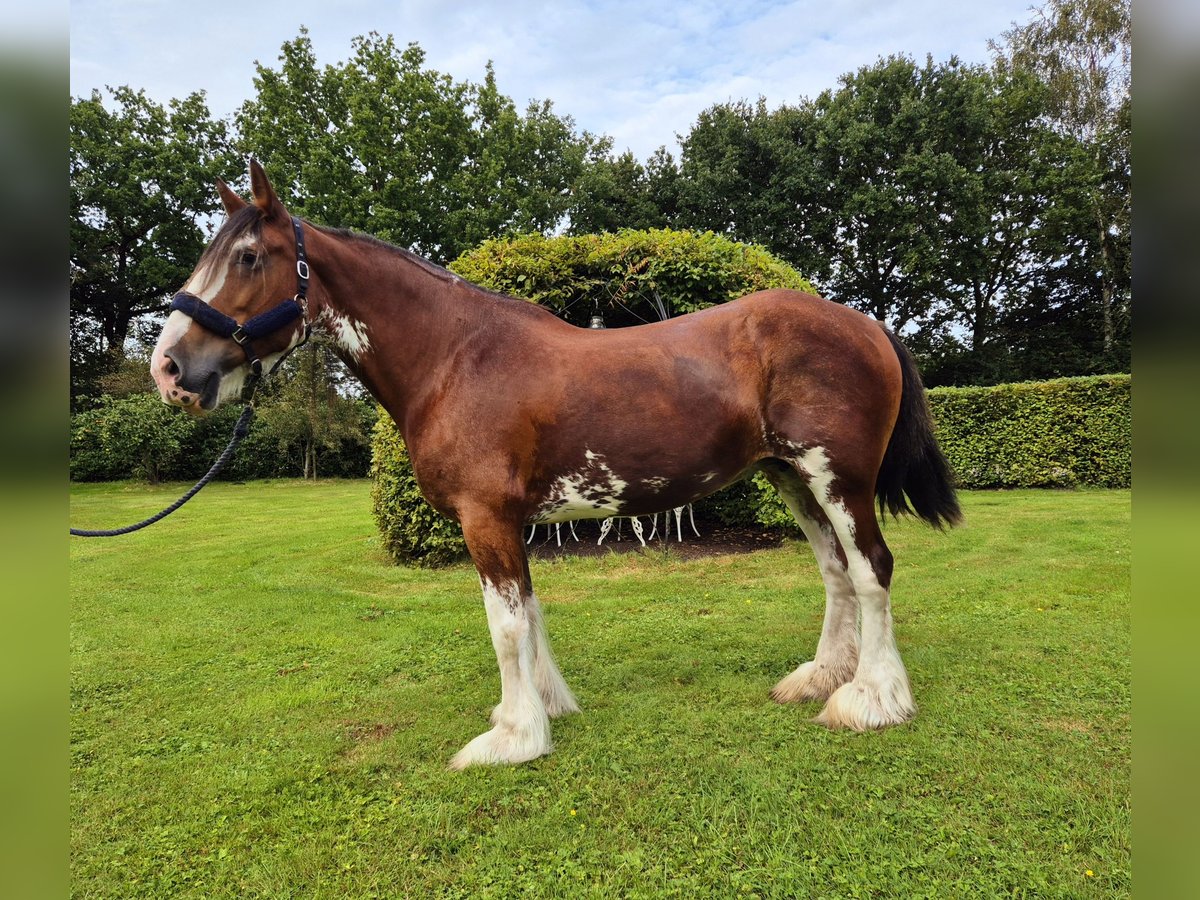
135,436
626,275
686,270
413,531
1063,433
139,436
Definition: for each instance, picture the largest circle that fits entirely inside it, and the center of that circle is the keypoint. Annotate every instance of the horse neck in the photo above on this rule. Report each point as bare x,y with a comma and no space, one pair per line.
395,320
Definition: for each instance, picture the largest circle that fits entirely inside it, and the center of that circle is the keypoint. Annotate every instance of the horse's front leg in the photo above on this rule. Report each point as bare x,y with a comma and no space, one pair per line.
521,725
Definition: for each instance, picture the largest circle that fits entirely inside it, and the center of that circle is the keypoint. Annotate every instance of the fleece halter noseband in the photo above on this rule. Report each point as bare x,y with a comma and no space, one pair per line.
281,314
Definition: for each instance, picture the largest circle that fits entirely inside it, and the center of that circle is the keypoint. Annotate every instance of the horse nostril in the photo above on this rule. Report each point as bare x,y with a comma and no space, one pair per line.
172,369
186,401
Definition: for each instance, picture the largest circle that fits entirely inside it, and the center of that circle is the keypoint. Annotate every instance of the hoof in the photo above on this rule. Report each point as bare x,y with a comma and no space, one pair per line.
503,745
811,681
865,706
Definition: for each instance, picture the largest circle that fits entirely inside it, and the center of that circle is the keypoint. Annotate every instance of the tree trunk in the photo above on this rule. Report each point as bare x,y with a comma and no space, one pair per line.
310,460
1106,289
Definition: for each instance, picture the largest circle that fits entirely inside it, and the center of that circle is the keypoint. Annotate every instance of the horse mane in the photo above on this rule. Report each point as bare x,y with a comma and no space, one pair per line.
431,268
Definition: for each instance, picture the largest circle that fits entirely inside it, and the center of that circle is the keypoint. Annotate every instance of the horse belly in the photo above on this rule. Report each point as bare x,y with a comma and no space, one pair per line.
641,478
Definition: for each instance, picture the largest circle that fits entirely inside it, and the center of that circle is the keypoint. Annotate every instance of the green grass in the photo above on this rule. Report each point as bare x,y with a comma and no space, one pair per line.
261,706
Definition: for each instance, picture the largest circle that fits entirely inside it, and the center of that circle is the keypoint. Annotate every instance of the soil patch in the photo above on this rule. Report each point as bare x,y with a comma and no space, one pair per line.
715,539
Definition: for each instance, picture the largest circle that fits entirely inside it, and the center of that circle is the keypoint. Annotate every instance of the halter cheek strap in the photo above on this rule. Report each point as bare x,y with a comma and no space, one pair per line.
278,316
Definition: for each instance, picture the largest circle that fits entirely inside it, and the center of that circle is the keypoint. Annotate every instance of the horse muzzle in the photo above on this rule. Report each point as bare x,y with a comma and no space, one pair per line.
183,382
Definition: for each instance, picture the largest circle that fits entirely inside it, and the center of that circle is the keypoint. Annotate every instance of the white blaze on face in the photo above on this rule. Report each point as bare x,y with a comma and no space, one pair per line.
174,329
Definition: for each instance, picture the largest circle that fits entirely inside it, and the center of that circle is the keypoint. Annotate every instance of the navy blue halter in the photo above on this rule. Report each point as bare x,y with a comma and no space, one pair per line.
278,316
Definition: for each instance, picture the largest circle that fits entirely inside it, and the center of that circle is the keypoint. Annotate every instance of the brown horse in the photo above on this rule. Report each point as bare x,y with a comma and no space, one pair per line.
512,417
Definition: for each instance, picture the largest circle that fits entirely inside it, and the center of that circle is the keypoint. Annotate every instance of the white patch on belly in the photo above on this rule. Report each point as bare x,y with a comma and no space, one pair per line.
594,492
348,333
657,483
709,476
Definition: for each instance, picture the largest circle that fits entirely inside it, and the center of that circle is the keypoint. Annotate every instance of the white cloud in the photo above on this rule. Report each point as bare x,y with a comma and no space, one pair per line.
640,72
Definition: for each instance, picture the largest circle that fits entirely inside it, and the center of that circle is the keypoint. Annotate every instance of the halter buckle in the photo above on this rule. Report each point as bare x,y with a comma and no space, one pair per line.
240,337
302,269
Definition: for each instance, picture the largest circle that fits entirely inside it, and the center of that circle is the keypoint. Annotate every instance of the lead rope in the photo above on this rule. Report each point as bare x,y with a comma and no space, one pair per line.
240,430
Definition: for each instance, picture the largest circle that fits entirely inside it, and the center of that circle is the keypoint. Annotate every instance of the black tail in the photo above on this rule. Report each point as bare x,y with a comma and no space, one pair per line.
913,463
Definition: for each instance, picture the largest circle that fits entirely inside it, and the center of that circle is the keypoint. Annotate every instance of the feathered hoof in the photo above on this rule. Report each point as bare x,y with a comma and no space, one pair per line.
504,745
811,681
865,706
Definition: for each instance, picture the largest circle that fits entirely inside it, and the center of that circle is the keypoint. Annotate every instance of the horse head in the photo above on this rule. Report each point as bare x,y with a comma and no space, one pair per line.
204,355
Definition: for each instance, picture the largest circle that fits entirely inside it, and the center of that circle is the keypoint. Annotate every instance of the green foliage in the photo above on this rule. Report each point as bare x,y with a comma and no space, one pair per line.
141,179
307,411
686,270
1064,433
413,531
940,198
137,435
384,144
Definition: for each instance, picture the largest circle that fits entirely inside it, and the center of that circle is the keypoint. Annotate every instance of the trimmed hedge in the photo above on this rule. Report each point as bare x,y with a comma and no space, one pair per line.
625,275
1070,432
414,533
573,275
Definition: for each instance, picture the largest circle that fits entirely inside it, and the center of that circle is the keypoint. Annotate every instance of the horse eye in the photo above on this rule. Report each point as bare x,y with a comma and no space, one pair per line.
248,258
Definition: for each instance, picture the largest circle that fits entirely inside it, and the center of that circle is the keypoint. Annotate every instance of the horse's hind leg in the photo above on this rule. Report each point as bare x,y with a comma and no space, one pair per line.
520,724
879,694
837,650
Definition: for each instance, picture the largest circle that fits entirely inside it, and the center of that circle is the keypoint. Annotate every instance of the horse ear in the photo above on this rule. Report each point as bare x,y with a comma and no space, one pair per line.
229,198
264,195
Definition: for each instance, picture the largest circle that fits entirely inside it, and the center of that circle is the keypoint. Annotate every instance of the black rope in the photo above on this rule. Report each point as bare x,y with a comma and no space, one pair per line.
240,430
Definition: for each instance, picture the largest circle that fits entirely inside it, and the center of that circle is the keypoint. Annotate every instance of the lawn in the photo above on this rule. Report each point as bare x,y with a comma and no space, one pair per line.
261,706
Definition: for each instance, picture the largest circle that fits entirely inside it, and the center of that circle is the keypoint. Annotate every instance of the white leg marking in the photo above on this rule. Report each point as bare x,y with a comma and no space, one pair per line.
837,650
521,727
879,694
556,695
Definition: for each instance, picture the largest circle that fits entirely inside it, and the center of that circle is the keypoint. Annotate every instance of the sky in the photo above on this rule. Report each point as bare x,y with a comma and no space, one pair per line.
640,72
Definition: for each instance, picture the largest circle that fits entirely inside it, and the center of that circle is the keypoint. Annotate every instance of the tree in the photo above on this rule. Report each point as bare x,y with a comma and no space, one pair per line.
934,197
1082,50
141,194
614,193
306,408
386,145
752,174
